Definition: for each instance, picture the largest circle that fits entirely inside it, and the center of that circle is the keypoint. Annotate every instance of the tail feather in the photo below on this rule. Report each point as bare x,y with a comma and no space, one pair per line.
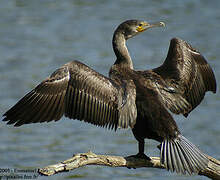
178,160
171,160
194,157
199,158
182,156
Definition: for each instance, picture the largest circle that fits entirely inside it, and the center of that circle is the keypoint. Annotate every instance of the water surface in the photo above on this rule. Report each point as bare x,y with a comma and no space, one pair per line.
36,37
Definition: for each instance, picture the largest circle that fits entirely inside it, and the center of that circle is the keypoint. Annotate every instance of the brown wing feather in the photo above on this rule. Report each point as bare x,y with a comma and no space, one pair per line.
80,93
188,73
44,103
96,99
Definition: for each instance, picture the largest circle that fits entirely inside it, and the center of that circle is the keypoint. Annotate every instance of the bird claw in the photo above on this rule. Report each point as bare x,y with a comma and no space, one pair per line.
140,156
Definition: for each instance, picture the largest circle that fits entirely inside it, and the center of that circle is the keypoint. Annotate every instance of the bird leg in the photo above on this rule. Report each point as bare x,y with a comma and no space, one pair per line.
140,154
159,146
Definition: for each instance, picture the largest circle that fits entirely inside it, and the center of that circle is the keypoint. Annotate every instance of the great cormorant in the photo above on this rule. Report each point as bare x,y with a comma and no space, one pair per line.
140,100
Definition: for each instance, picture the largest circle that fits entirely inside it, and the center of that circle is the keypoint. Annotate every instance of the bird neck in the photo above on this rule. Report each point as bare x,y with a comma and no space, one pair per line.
121,51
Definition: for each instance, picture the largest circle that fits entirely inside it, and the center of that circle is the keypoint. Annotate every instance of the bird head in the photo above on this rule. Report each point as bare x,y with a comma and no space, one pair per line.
131,28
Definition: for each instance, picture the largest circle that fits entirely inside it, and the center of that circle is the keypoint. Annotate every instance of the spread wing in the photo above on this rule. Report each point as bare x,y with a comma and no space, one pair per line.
185,78
78,92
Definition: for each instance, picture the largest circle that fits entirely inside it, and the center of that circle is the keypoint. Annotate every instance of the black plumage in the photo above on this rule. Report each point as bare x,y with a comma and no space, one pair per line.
128,98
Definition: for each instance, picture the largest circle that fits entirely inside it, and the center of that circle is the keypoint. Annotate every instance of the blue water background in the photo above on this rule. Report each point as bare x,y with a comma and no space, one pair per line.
36,37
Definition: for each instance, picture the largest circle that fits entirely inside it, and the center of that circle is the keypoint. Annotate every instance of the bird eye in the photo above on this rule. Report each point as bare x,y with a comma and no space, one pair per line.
140,24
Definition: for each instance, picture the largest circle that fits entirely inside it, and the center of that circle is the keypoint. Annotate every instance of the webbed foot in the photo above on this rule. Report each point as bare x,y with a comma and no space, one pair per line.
140,156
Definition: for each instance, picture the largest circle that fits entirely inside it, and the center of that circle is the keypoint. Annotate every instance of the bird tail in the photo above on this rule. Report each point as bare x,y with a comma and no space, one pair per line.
182,156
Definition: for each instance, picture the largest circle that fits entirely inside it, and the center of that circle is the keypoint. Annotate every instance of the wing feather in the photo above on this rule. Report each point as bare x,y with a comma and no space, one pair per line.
97,99
78,92
189,75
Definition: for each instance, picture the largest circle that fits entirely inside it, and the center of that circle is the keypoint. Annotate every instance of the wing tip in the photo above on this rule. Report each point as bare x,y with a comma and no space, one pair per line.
185,44
177,40
9,121
4,118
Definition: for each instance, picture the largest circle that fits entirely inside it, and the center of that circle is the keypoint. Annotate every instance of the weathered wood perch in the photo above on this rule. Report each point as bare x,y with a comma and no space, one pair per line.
83,159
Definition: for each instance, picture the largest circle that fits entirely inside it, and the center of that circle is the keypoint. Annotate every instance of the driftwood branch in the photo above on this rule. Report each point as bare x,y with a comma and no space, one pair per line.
83,159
